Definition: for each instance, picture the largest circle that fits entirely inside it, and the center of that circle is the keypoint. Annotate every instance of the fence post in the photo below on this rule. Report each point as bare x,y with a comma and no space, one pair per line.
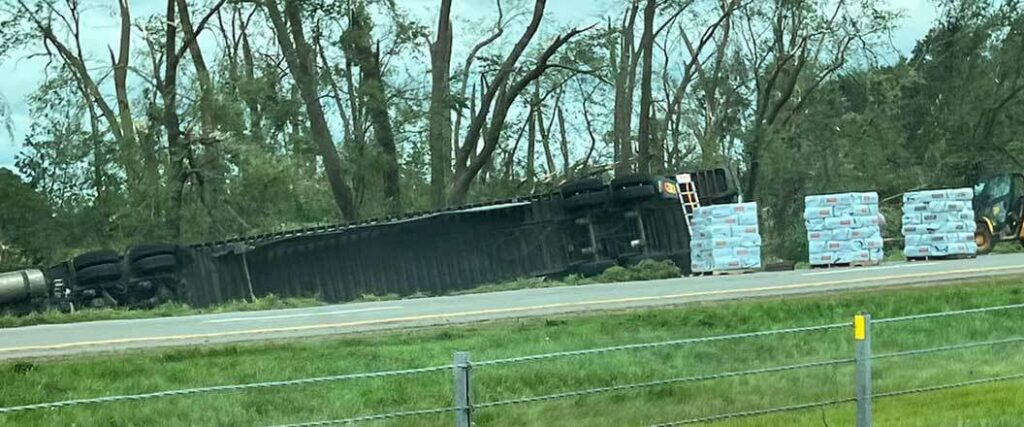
862,339
463,405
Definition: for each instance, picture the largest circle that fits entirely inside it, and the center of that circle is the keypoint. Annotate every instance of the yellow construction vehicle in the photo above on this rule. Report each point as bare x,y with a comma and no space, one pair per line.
998,210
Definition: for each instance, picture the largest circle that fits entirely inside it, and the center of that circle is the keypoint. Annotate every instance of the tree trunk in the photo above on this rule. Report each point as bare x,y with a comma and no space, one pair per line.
206,105
121,80
623,108
545,131
531,146
252,102
510,159
176,151
298,55
647,46
210,166
563,142
440,128
358,47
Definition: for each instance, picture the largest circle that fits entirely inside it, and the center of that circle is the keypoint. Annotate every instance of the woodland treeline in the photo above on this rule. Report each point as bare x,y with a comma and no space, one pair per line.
225,117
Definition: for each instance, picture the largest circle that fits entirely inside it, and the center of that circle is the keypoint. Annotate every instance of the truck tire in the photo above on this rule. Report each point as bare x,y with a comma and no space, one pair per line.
155,264
582,186
586,200
632,180
90,259
98,274
636,192
983,237
147,250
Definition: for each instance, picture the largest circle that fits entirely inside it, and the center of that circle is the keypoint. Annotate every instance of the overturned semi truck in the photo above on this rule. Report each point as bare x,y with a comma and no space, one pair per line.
583,228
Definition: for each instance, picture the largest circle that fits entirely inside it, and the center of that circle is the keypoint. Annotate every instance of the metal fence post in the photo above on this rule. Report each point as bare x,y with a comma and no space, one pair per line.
463,405
862,338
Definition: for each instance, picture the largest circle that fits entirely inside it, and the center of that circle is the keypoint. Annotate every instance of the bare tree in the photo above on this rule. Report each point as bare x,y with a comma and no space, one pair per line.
499,29
625,77
440,127
464,170
121,73
508,95
74,62
647,50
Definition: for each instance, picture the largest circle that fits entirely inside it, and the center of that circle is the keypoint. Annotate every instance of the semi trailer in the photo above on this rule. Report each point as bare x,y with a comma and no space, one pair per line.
585,227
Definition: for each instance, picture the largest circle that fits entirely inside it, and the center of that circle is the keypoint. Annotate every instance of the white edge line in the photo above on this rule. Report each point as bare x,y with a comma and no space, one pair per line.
307,314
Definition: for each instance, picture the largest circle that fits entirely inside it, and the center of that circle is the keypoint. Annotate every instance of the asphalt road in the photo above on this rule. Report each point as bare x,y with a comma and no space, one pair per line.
52,340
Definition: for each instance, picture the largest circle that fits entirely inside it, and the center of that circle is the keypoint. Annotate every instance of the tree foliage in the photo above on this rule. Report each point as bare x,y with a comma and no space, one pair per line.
217,118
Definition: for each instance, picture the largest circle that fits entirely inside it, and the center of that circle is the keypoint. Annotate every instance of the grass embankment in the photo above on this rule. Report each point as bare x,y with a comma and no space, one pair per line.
646,270
990,405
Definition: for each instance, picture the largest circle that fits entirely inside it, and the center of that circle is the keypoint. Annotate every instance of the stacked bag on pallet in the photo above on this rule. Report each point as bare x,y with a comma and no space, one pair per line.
843,228
725,237
938,223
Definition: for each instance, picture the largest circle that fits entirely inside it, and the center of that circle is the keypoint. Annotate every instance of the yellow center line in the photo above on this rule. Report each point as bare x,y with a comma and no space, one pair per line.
501,310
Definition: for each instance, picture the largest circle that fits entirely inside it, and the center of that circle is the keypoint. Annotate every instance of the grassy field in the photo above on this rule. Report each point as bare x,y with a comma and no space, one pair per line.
990,405
647,270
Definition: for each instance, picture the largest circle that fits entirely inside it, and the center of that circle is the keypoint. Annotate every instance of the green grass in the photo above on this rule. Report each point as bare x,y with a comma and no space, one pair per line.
989,405
646,270
1007,248
269,302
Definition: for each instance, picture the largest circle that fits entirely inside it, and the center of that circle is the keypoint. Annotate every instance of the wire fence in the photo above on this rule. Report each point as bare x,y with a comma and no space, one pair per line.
464,408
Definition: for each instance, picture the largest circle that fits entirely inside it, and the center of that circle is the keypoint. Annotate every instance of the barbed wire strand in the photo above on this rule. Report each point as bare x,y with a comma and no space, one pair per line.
221,388
634,386
374,417
948,348
947,314
948,386
644,346
790,408
757,412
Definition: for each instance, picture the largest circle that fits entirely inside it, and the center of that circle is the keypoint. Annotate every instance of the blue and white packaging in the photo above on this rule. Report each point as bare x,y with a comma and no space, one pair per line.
725,237
843,228
939,223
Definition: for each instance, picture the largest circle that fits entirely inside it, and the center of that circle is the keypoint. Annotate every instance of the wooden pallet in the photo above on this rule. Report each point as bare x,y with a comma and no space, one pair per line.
726,272
734,272
780,266
846,265
940,257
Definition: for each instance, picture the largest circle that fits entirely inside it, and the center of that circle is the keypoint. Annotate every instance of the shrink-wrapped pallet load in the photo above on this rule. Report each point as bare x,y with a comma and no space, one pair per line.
939,223
725,238
843,229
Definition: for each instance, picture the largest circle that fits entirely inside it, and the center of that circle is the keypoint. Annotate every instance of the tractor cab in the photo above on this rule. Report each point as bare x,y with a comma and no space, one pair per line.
998,209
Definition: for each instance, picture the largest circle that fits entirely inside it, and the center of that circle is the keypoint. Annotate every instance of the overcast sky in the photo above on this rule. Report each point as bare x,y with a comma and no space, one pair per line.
22,75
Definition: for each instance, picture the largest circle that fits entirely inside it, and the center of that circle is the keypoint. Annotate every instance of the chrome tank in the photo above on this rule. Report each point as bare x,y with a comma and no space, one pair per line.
23,284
